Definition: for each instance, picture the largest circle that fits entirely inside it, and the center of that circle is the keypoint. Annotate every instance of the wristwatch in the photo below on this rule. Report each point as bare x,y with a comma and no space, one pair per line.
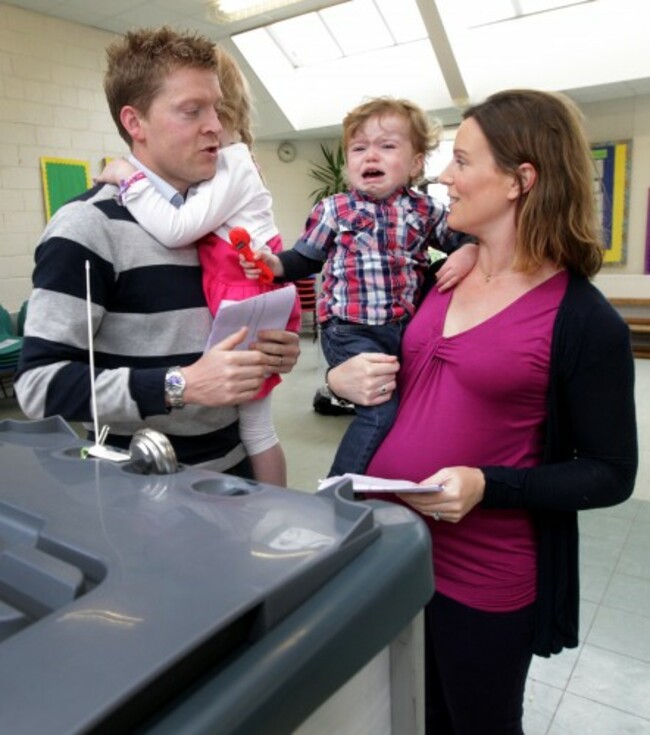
175,387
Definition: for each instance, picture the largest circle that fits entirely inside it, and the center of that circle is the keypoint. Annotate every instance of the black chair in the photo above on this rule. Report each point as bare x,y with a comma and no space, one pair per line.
10,347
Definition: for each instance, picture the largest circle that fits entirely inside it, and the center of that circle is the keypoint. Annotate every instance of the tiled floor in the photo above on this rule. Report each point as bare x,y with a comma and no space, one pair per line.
600,688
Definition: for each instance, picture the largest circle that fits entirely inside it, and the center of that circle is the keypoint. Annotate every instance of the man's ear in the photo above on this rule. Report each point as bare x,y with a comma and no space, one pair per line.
132,122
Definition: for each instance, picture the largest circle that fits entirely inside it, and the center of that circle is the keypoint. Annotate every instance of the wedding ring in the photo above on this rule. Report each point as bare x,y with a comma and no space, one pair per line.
437,516
383,390
281,361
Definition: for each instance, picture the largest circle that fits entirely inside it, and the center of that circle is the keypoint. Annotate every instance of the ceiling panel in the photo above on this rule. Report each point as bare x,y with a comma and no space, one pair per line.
595,51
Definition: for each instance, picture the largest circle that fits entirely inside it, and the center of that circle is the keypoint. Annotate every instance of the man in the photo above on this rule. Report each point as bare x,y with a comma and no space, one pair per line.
149,316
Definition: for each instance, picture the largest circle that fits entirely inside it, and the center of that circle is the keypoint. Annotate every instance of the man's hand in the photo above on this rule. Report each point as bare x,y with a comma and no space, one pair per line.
280,349
224,376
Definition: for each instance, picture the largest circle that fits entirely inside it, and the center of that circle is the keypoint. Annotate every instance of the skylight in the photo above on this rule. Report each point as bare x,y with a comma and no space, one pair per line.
319,65
496,11
441,54
334,32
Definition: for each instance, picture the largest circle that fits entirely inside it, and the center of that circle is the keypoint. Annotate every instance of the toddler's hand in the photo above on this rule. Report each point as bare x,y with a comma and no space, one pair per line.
252,269
115,171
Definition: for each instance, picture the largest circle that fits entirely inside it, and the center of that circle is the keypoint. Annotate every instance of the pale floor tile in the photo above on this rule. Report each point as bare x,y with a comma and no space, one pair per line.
556,671
622,632
540,704
593,580
580,716
639,534
628,593
614,680
635,560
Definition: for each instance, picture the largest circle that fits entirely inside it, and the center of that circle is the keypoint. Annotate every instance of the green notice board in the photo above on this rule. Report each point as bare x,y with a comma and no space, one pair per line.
63,179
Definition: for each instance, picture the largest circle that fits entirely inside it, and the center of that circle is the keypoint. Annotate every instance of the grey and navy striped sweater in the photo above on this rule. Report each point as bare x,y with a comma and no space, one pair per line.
148,313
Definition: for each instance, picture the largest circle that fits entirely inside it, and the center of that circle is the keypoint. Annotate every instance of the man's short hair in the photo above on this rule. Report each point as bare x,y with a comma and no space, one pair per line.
139,62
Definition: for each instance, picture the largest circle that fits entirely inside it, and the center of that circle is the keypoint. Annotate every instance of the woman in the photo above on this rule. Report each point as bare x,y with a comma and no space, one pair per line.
516,396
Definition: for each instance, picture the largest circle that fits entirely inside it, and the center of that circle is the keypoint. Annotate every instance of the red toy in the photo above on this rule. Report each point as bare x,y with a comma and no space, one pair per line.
241,241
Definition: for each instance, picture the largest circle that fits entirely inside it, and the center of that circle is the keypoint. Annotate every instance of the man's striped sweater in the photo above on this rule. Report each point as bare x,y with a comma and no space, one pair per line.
148,313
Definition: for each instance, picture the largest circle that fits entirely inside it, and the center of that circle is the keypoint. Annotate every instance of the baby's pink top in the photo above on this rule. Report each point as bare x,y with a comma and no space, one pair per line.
475,399
224,279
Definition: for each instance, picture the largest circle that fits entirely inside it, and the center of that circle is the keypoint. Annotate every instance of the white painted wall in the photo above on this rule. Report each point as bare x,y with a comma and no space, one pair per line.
51,104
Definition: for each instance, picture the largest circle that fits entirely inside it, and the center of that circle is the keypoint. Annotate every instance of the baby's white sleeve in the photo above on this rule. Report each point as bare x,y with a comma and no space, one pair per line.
207,208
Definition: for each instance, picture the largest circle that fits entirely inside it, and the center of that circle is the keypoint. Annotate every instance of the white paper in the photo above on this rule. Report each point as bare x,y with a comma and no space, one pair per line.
267,311
365,483
102,452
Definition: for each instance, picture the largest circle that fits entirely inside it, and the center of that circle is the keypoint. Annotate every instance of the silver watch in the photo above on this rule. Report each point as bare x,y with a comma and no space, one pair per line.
175,387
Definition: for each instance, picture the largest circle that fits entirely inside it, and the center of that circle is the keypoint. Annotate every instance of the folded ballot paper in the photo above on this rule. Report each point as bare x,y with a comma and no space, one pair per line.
365,483
267,311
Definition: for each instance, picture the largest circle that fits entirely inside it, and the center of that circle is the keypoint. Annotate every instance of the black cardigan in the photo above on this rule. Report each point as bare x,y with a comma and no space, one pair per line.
590,456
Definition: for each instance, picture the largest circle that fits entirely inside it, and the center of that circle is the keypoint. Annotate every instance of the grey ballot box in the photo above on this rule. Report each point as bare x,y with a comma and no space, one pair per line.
188,602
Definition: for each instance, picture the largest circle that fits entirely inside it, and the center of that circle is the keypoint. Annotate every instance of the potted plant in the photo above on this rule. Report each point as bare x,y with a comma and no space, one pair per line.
331,179
330,175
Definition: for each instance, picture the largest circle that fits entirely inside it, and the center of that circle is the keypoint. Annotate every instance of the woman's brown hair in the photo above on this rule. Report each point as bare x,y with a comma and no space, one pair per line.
556,217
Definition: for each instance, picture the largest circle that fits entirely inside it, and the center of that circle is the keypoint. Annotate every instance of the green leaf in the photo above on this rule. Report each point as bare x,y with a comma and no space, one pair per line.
330,175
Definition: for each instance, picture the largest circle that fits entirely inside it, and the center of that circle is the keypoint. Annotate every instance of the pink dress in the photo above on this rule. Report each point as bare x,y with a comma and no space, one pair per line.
476,399
224,279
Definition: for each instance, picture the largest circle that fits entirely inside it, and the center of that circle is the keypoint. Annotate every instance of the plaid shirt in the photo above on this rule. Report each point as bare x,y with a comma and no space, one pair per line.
375,252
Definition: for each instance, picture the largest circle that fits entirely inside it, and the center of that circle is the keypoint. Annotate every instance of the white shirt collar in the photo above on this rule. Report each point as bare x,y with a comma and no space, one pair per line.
166,189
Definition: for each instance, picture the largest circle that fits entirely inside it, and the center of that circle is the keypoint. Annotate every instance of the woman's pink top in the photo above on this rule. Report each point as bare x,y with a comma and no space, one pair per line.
224,280
475,399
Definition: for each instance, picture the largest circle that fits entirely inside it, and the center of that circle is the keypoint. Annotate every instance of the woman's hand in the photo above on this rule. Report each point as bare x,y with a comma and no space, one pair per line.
463,489
367,379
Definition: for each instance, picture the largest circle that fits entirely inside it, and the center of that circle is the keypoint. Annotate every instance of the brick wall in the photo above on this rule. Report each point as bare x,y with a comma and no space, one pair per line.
51,104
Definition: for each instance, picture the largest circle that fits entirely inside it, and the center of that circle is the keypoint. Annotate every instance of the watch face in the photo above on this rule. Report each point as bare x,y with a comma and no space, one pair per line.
174,387
286,152
175,384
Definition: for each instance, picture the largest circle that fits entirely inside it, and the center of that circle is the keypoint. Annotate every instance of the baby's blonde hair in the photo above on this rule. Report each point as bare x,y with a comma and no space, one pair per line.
425,132
236,107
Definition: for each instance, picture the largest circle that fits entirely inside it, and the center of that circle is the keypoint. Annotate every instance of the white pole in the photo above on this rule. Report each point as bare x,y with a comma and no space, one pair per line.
91,351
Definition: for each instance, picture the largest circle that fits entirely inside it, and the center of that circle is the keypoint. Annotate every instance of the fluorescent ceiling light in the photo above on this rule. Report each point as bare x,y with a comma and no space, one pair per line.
229,10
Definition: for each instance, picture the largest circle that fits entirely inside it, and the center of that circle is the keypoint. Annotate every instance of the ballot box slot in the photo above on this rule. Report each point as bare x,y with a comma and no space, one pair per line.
150,703
226,485
37,575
